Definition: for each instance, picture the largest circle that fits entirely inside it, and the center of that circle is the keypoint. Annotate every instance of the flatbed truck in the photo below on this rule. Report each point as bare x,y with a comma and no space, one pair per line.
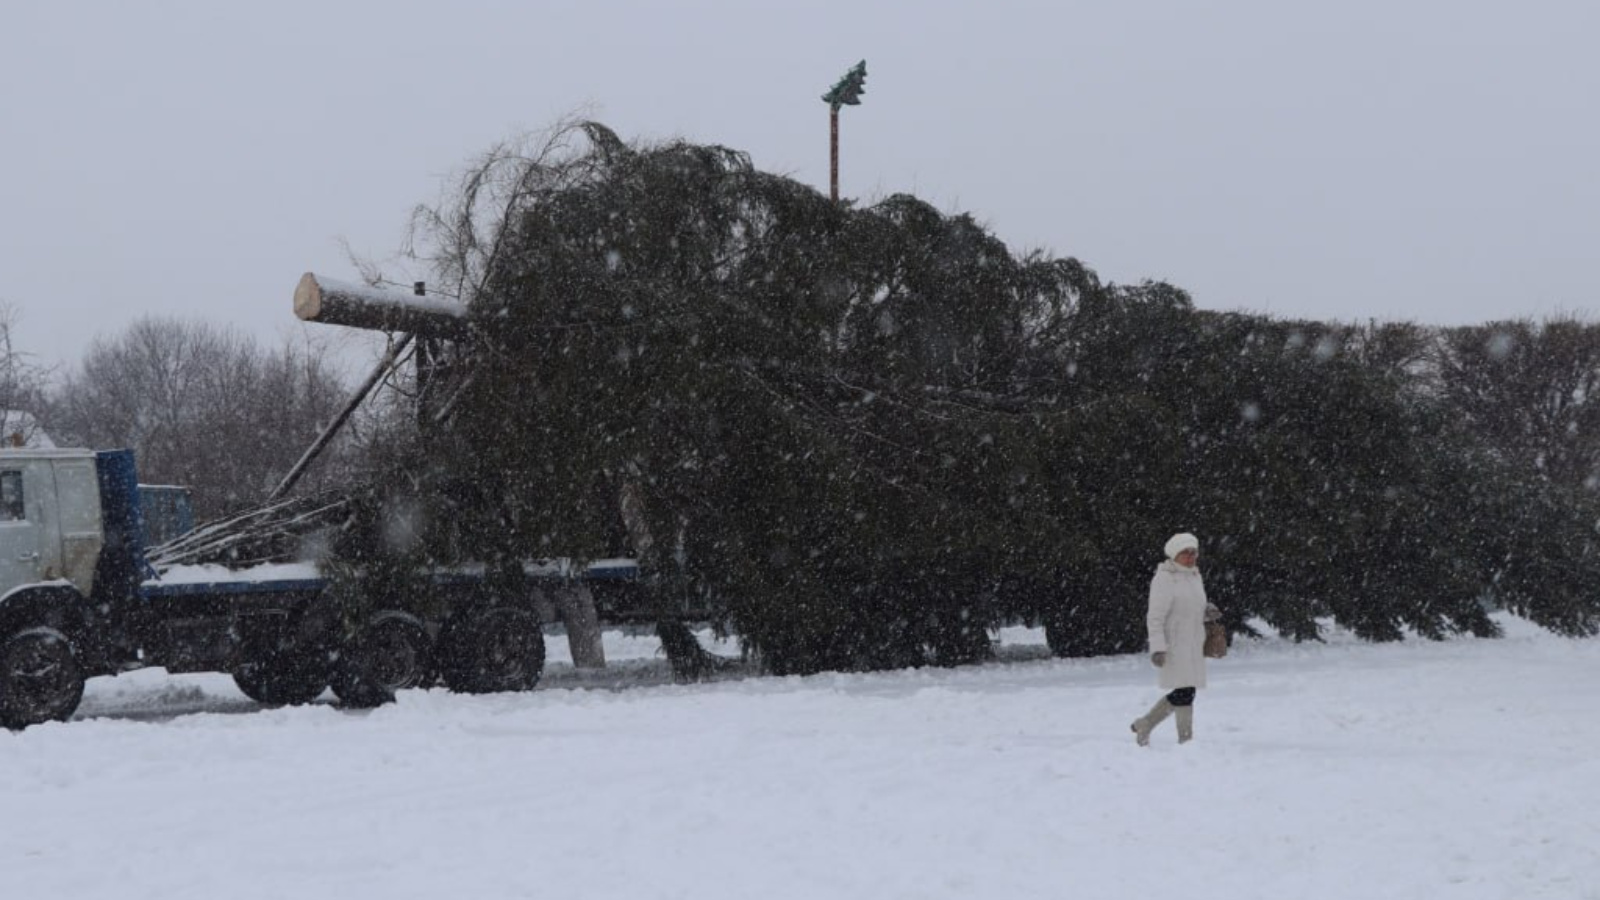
79,598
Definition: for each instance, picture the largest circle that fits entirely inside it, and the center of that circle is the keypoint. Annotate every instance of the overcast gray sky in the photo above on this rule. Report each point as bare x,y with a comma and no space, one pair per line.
1424,160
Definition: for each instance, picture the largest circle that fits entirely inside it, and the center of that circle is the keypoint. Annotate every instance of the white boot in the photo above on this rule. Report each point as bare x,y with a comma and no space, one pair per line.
1185,724
1147,723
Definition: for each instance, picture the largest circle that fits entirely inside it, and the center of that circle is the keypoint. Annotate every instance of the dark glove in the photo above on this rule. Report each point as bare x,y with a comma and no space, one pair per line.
1158,658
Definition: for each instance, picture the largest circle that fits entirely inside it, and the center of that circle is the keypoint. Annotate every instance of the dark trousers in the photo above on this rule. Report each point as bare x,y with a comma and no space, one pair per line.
1181,697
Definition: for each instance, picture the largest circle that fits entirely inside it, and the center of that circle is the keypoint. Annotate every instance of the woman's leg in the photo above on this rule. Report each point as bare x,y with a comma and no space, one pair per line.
1182,701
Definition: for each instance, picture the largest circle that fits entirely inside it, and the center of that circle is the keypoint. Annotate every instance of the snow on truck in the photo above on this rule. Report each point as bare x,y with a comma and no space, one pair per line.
80,597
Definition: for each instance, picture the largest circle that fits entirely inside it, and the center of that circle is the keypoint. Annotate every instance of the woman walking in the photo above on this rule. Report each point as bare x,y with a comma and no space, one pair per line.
1177,624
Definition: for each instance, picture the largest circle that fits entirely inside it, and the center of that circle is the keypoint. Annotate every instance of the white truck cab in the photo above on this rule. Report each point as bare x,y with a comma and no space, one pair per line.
50,518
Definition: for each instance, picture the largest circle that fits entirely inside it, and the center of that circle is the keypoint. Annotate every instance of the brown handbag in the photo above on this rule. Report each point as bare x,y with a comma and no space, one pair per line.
1216,645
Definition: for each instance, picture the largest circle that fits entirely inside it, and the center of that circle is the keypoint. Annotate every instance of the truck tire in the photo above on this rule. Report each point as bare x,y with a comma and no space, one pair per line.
40,678
283,678
392,653
497,649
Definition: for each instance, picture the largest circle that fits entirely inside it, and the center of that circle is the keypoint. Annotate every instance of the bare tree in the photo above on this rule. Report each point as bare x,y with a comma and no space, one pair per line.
22,385
202,406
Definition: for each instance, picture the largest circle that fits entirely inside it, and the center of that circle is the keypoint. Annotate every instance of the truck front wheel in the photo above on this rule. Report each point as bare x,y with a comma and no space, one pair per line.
40,678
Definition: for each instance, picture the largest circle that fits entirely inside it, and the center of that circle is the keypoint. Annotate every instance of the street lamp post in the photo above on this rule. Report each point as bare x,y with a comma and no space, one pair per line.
847,92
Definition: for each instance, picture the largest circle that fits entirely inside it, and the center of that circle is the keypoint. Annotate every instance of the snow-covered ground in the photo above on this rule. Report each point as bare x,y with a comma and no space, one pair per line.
1469,769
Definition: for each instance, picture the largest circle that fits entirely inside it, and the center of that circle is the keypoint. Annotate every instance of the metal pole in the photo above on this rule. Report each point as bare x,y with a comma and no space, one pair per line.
327,434
833,152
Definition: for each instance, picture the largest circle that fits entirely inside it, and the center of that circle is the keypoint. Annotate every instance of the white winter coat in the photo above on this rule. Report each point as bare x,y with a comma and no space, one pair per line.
1177,623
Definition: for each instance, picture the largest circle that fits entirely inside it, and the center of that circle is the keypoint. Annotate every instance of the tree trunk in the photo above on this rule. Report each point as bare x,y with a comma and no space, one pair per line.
583,627
318,299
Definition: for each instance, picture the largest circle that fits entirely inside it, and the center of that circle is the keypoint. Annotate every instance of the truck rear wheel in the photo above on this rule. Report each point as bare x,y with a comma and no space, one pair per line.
391,654
497,649
286,678
40,678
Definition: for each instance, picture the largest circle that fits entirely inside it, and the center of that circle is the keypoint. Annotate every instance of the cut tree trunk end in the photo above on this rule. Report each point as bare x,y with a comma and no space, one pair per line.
333,302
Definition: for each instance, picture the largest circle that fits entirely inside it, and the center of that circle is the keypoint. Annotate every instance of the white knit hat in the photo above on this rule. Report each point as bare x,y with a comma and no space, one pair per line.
1181,542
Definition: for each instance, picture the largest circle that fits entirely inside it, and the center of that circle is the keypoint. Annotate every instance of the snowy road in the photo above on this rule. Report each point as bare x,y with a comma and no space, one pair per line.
1458,770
